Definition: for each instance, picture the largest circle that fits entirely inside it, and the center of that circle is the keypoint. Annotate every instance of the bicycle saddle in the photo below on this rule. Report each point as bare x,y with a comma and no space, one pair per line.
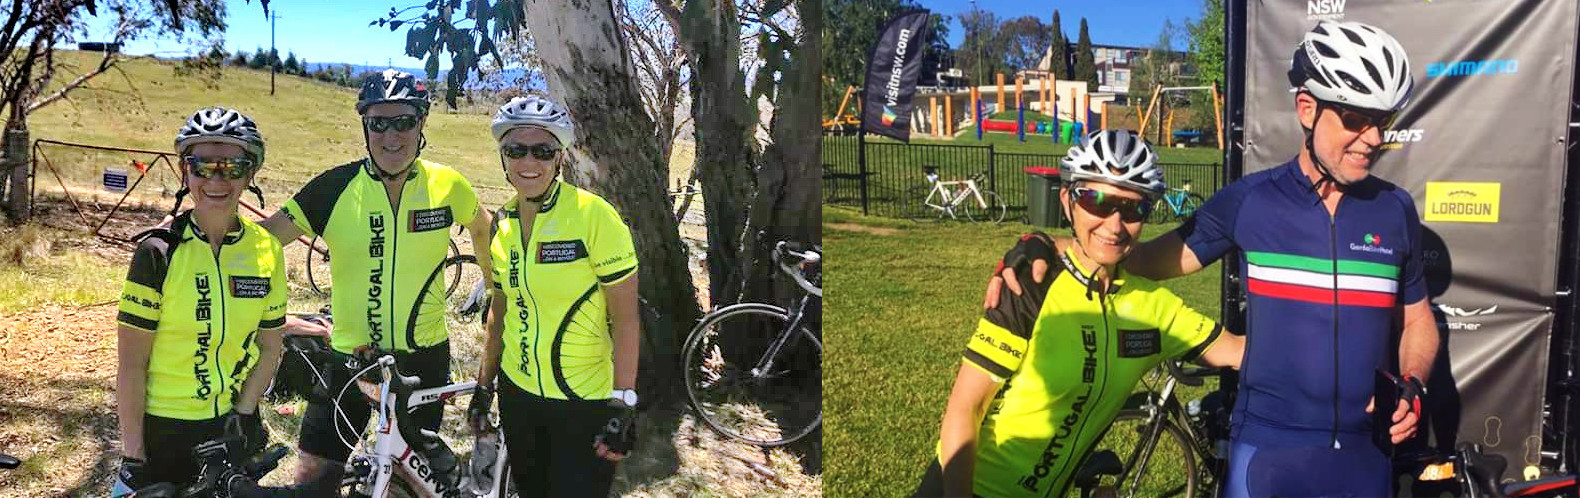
1485,470
9,462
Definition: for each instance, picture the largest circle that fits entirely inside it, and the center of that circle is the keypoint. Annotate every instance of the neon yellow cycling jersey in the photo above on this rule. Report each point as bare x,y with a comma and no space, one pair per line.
385,260
557,338
1068,362
205,311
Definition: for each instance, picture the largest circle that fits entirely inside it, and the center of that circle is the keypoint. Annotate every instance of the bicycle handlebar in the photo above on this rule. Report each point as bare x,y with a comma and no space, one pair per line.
1192,376
802,252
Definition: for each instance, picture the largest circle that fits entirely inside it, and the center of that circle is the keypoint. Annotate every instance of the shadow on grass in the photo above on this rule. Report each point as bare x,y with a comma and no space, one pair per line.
72,430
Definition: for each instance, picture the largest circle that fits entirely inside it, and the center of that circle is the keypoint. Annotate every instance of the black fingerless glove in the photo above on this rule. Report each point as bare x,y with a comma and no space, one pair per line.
619,434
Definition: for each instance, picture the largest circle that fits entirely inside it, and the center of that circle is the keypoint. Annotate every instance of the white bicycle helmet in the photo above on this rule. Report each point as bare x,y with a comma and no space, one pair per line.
1118,157
538,112
221,125
392,85
1352,64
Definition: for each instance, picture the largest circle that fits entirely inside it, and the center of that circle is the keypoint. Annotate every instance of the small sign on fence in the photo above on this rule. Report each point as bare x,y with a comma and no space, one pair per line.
115,179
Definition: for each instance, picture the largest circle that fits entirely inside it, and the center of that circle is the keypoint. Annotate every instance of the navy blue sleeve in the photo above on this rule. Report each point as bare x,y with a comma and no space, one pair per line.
1412,280
1210,233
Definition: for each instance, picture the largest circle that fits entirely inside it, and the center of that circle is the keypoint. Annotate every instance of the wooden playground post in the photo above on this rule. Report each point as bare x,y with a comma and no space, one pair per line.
1105,114
1018,88
1168,124
1000,102
1144,117
1217,114
932,103
1085,115
949,115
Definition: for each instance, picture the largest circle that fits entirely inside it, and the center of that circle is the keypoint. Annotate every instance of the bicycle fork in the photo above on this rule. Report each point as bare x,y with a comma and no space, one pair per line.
765,364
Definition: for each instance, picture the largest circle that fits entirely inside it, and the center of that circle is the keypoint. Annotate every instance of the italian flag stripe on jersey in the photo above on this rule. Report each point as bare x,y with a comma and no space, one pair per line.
1301,278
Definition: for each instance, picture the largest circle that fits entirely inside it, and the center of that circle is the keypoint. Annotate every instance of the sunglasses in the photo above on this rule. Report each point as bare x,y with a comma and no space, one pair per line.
1356,121
381,124
1103,205
541,152
232,168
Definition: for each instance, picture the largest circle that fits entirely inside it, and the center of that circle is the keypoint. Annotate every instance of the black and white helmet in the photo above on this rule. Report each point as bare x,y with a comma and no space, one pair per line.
537,111
393,86
1118,157
221,125
1353,64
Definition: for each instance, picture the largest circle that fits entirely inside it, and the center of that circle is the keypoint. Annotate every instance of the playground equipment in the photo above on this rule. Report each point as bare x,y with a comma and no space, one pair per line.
841,119
1168,117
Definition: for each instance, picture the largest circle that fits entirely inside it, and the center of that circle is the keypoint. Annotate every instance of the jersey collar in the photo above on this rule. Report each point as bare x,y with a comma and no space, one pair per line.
372,170
1070,261
231,237
512,209
1297,184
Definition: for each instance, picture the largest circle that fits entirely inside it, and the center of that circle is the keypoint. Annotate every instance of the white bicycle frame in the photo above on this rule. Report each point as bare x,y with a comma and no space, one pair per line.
950,200
391,453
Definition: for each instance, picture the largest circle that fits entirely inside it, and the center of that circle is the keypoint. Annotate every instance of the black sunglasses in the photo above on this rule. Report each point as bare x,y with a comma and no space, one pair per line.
381,124
232,168
541,152
1103,205
1356,120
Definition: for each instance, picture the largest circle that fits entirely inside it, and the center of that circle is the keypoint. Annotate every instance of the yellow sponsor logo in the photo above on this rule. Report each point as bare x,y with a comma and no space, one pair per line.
1474,202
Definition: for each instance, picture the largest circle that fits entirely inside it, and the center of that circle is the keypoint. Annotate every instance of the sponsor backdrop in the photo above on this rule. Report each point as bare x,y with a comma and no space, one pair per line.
892,70
1481,148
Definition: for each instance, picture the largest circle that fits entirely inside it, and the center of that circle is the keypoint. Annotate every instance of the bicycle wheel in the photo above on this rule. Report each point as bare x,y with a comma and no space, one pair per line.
993,213
1167,467
318,266
1160,211
770,408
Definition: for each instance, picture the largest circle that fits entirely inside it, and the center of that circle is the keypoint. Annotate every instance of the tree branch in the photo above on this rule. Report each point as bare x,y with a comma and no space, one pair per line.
104,65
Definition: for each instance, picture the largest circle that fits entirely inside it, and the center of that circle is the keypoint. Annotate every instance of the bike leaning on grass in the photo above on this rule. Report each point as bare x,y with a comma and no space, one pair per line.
753,371
1159,446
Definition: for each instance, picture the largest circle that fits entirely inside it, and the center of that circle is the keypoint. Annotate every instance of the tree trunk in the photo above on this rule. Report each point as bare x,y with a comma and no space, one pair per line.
789,184
588,69
722,119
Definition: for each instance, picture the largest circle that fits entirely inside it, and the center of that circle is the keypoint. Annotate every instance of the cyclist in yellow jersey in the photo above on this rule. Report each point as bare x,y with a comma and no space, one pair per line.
386,219
198,335
1046,372
563,324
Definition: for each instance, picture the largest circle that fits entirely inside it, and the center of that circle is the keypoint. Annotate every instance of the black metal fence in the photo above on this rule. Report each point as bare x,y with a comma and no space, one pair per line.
893,169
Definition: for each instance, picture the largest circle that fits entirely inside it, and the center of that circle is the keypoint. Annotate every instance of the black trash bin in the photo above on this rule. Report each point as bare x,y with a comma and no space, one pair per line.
1042,196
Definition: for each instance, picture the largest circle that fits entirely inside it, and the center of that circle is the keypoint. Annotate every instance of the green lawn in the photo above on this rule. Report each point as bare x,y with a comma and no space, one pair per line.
906,296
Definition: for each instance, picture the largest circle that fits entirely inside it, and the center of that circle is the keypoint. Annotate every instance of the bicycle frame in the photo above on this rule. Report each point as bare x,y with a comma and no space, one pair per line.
1161,406
391,452
950,200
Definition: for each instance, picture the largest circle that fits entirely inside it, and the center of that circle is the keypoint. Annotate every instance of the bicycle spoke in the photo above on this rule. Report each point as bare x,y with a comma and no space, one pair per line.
767,408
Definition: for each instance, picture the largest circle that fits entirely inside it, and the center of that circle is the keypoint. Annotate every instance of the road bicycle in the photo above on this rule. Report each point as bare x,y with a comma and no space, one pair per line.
955,199
1154,430
753,371
1178,203
403,459
1481,476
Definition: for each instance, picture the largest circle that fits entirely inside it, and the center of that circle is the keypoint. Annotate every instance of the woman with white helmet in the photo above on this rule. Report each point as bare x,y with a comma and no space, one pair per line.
563,325
200,312
1047,371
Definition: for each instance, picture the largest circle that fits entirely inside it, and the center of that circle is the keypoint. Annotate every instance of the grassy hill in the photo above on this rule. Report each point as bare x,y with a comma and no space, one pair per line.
309,125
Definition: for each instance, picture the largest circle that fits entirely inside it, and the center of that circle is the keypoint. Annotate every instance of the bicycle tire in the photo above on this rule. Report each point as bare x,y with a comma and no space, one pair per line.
993,213
318,257
764,410
1146,473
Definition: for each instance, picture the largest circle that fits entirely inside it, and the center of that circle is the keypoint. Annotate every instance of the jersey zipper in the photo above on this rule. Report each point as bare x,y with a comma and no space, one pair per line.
1101,385
392,241
526,288
1333,243
219,373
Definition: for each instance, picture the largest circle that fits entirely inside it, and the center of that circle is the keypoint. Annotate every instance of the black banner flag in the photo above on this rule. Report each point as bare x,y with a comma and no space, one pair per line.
892,69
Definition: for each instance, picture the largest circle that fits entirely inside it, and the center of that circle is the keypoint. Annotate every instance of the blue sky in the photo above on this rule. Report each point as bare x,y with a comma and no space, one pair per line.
1109,22
319,30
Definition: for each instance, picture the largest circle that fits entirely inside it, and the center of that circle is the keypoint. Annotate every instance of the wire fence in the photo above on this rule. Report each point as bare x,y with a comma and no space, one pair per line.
896,171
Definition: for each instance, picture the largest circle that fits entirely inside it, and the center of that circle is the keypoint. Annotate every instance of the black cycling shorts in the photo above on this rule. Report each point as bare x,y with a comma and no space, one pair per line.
168,443
319,437
551,442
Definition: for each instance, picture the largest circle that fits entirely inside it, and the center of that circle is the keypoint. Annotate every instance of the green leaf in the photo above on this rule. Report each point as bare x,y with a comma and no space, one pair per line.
772,7
433,66
394,25
419,40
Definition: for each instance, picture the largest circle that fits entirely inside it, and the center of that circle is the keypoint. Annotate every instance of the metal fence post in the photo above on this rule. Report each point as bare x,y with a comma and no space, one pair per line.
992,168
861,163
